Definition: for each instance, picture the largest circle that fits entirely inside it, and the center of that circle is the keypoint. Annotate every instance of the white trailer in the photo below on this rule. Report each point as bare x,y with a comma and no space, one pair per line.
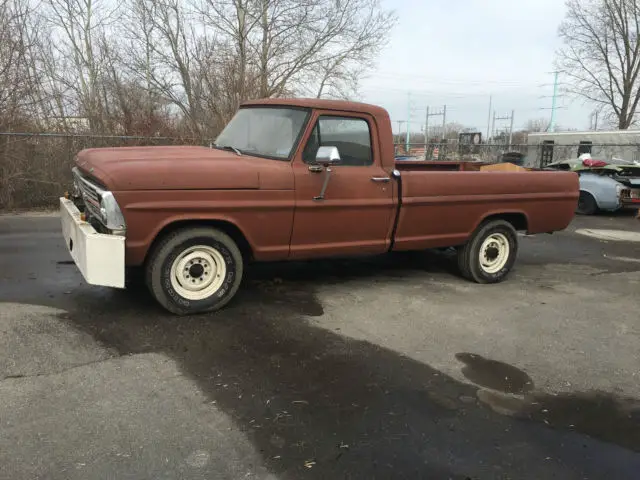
610,146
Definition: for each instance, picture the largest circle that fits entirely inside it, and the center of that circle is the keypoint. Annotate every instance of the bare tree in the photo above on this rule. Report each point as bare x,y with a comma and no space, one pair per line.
294,46
601,55
79,28
167,50
15,79
537,125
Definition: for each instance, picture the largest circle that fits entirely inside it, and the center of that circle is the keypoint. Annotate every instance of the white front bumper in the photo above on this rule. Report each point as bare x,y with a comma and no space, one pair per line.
99,257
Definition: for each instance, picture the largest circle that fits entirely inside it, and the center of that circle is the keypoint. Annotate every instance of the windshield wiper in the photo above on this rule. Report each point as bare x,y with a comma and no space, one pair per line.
228,147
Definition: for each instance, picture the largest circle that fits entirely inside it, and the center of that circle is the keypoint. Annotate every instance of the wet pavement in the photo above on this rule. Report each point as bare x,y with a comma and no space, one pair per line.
391,367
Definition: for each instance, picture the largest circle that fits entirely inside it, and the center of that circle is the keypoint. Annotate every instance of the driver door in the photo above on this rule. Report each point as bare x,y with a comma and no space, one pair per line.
355,217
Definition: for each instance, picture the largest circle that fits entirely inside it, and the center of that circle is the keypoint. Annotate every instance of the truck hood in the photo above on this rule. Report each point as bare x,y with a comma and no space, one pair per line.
171,168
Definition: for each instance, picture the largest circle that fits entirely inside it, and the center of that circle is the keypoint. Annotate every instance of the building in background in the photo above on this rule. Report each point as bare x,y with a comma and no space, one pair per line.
610,146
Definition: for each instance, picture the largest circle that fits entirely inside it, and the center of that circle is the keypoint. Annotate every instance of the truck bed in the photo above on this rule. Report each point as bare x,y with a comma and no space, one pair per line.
442,203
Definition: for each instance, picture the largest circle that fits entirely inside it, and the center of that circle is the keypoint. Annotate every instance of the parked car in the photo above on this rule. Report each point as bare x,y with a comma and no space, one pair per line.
598,192
603,187
291,179
629,176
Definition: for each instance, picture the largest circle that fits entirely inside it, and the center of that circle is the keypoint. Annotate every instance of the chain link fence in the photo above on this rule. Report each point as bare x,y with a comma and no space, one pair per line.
529,155
453,151
35,168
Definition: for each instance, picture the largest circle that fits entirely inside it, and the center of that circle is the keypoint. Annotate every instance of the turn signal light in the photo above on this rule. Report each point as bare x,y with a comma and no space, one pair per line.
83,217
66,195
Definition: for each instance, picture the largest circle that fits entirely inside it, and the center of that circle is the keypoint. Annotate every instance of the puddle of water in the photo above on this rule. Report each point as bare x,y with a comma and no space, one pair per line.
494,374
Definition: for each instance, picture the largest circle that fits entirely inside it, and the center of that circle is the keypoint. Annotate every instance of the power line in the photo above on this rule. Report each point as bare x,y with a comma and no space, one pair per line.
447,93
447,81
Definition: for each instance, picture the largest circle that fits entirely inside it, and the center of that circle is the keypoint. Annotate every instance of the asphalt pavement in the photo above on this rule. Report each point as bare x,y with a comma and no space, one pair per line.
390,367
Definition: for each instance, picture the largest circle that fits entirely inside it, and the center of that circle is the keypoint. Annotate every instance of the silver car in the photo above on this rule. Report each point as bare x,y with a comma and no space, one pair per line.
597,192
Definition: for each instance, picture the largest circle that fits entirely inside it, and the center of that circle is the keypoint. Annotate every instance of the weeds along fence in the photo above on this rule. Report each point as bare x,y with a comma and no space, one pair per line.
35,168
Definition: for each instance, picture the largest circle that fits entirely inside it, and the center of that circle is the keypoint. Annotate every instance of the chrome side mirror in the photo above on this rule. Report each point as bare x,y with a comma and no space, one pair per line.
327,156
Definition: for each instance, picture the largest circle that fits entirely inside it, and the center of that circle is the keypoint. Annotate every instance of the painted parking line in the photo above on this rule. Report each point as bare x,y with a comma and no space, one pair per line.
610,235
622,259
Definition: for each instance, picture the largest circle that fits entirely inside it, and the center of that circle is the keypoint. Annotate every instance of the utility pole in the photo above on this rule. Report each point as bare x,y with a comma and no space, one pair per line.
593,120
489,117
552,123
493,126
442,112
408,120
426,133
511,129
444,121
505,117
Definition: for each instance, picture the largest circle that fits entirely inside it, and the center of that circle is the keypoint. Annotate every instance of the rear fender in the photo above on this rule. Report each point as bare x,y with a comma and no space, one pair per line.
518,218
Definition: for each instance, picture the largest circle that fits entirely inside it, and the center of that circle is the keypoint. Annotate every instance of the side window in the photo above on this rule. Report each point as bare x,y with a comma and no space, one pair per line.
351,136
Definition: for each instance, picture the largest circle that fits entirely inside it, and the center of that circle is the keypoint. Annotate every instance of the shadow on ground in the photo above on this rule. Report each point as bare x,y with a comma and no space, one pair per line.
320,405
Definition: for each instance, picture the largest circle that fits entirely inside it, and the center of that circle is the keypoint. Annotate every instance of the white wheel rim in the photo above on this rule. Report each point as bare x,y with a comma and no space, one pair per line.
198,272
494,253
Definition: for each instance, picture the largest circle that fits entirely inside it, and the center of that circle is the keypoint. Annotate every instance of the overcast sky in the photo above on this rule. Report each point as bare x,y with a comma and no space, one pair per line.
458,52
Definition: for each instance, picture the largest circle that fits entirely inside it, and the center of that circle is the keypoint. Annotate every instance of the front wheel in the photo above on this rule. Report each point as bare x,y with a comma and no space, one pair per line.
194,270
490,253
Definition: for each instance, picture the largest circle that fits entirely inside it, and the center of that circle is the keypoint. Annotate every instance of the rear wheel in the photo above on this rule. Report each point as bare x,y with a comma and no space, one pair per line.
490,253
586,204
194,270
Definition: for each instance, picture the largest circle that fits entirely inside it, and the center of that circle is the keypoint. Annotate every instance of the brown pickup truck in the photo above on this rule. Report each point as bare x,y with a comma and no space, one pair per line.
292,179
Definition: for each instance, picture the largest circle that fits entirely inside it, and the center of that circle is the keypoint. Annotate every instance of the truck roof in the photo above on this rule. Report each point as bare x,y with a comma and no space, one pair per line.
324,104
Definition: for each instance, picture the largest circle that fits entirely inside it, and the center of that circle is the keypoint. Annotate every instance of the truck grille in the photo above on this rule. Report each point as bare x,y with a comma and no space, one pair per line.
90,193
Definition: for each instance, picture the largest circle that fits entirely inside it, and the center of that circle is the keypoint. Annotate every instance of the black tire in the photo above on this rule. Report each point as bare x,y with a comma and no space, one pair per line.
586,204
469,254
171,247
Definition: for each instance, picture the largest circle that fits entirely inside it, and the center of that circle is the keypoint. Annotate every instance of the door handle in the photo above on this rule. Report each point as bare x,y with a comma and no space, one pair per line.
315,168
380,179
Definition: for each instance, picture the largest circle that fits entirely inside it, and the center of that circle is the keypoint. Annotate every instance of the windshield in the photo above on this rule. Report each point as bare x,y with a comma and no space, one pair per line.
263,131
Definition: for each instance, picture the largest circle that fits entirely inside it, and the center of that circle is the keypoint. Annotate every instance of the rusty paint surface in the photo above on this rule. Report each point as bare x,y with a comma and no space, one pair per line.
272,201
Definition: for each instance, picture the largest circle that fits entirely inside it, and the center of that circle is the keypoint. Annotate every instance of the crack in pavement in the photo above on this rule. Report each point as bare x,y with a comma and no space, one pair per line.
59,372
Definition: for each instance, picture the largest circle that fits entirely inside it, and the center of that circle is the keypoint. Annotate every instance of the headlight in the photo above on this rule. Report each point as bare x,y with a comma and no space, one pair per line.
110,211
